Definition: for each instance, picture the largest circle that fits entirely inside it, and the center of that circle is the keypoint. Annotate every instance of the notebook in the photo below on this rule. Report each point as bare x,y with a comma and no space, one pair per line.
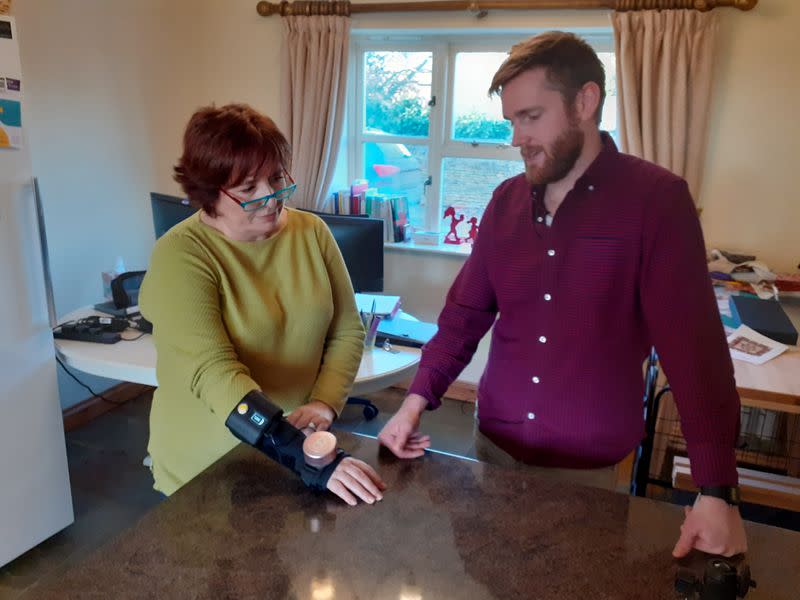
767,317
406,332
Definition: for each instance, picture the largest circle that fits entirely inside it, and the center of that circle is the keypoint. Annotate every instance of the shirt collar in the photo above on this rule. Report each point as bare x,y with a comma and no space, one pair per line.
602,166
599,171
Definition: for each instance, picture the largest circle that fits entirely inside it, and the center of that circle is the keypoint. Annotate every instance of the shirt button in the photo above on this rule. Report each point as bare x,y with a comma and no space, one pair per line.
548,297
542,339
535,380
539,219
531,416
551,252
591,188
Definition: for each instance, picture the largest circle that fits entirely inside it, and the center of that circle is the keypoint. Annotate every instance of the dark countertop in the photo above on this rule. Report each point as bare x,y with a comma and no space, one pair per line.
447,528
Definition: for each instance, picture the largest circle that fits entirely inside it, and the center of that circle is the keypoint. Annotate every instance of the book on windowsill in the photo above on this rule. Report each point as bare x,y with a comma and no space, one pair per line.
385,306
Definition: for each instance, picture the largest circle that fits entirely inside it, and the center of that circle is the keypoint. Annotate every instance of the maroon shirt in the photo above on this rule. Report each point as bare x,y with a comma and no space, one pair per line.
578,306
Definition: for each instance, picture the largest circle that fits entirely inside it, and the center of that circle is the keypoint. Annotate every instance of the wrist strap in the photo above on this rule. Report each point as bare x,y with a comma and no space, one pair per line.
258,422
317,479
727,493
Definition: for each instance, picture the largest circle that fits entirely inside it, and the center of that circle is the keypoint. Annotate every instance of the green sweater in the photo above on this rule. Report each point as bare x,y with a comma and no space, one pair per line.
229,317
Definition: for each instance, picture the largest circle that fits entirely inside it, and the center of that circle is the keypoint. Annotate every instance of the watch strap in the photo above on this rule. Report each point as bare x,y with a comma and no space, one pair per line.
730,494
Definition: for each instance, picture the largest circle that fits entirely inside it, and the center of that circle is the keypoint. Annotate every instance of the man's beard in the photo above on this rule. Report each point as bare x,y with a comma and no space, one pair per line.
559,160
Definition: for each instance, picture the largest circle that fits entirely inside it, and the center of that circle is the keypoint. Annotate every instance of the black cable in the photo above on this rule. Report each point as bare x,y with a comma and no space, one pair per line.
91,391
132,339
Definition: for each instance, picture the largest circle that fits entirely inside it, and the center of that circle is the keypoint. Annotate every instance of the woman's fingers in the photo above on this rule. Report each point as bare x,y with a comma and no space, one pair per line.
354,485
372,474
364,478
304,416
294,418
338,488
354,479
321,424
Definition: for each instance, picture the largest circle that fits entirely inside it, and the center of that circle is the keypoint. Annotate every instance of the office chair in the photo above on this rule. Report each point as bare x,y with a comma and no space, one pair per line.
370,410
652,400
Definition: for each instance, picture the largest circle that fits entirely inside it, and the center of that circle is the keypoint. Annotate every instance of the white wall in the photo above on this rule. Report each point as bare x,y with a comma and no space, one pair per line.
111,83
750,191
109,86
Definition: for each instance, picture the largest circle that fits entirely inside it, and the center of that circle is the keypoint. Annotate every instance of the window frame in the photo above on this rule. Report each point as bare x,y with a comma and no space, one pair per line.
440,143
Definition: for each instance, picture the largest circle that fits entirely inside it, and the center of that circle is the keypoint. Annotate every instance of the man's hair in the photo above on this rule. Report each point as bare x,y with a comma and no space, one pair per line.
569,64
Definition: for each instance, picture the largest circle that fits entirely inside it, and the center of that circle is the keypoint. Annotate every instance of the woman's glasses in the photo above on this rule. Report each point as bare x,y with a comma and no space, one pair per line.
280,196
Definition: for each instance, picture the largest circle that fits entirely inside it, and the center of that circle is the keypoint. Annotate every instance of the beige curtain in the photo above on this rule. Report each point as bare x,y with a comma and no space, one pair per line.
312,101
664,76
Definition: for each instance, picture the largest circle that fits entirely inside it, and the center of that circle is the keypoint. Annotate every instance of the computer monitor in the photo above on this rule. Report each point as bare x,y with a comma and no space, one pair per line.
360,240
168,211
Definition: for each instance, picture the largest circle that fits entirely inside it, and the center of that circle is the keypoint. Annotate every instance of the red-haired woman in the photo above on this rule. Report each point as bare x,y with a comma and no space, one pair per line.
253,314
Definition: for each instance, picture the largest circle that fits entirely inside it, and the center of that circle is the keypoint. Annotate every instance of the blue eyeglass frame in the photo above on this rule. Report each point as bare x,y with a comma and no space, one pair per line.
280,196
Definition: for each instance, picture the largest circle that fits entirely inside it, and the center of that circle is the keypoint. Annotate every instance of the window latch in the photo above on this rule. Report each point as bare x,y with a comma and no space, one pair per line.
432,101
428,181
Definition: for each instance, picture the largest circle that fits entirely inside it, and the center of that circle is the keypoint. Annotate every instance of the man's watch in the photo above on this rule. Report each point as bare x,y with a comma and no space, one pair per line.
730,494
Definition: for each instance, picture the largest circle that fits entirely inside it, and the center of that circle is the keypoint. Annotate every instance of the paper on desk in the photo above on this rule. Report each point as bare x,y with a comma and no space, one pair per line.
748,345
385,306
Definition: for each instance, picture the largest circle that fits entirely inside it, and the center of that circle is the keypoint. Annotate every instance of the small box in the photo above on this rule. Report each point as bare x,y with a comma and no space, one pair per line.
428,238
767,317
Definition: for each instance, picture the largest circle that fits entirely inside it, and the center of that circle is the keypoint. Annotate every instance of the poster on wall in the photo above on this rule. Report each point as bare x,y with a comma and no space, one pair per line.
10,86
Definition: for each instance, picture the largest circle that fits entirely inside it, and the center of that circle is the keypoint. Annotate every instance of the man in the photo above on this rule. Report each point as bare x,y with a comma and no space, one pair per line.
582,263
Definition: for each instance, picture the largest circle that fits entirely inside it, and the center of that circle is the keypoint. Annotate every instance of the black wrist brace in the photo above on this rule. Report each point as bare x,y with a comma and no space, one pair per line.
258,422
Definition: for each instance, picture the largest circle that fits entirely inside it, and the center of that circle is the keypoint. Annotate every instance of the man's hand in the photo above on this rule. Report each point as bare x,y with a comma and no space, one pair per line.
353,479
401,434
711,526
316,415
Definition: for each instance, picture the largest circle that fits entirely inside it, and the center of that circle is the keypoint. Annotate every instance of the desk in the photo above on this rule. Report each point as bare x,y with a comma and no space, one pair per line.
447,528
135,361
775,385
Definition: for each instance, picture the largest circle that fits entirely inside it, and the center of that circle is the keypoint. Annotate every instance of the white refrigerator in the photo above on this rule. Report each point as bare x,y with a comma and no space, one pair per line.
35,499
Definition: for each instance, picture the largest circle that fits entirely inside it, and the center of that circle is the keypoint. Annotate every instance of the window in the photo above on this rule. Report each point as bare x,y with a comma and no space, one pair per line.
421,125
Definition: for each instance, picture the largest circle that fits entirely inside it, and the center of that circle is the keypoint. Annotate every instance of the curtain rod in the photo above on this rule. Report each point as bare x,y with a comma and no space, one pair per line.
480,9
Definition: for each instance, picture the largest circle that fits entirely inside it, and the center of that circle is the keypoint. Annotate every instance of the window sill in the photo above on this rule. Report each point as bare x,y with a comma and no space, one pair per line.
441,248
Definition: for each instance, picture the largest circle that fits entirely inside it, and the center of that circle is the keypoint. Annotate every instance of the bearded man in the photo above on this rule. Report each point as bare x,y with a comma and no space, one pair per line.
582,264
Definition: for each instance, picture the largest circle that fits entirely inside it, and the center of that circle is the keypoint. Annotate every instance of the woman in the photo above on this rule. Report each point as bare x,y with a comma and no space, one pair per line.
246,295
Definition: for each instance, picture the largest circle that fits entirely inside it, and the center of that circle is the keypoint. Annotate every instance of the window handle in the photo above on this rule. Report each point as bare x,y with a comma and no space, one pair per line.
432,101
425,185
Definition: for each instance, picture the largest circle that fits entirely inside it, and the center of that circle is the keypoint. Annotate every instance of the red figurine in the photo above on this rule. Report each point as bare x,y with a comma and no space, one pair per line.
473,230
452,235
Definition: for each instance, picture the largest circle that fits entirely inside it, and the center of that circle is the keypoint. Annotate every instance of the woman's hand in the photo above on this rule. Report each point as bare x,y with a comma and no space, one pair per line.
315,415
354,479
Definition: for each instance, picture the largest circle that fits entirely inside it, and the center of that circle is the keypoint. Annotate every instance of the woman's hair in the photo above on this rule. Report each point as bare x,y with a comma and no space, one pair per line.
222,147
568,60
